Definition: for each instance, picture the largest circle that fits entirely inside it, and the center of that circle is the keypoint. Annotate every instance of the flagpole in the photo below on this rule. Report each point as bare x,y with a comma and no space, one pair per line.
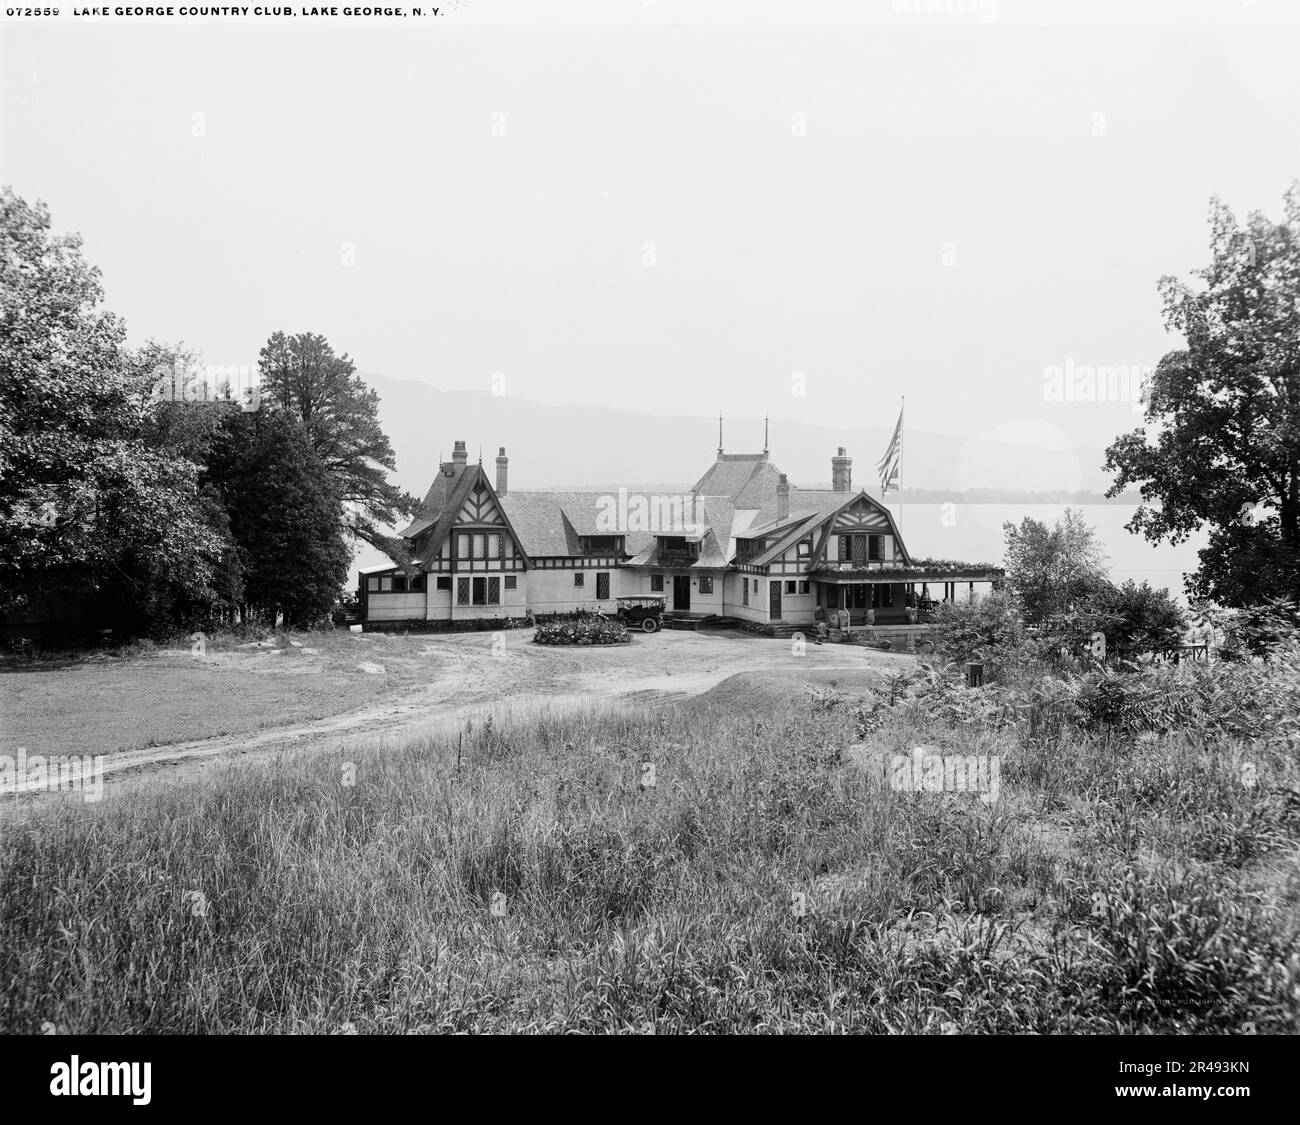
902,403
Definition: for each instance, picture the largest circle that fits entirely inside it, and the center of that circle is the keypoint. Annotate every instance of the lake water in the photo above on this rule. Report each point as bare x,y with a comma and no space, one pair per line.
973,533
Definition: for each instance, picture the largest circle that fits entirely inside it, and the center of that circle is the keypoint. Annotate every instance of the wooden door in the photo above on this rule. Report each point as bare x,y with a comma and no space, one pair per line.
774,601
681,591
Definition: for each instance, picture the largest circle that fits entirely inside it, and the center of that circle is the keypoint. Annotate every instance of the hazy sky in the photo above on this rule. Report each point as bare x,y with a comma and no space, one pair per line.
669,216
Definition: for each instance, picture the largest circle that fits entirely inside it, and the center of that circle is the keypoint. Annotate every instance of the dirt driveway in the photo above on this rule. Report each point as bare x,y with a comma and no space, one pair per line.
452,678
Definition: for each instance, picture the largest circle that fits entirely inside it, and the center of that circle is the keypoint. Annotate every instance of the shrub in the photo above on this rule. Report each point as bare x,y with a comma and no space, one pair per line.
582,629
1143,619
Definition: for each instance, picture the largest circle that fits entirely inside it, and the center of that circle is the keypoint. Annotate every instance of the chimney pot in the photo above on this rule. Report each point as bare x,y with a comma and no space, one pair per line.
503,463
842,472
783,498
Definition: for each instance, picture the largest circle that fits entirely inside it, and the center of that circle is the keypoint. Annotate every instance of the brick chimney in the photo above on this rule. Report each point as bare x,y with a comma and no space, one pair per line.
783,498
842,472
459,458
503,463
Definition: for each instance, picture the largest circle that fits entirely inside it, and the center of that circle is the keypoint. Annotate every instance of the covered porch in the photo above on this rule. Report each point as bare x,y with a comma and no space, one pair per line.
895,595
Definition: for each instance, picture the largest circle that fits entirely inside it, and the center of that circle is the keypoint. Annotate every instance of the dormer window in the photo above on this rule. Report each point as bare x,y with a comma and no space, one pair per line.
602,544
679,545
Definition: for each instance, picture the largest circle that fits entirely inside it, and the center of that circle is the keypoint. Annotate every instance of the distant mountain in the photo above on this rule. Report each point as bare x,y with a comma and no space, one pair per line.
594,447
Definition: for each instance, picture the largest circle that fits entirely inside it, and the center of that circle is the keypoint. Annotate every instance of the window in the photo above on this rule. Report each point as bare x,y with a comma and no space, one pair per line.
444,582
601,544
385,583
656,583
372,583
679,545
494,546
876,548
416,584
706,583
744,590
494,591
803,587
479,550
512,582
602,585
462,591
579,578
790,586
399,583
462,546
756,585
804,548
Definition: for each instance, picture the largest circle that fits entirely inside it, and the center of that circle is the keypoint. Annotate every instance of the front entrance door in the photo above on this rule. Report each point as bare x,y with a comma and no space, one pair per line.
774,601
681,591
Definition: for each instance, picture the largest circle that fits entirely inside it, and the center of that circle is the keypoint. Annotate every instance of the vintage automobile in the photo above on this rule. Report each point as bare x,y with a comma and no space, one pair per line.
645,613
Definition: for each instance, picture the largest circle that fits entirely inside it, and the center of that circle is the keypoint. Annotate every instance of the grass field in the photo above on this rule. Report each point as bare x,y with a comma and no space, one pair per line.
1118,883
106,703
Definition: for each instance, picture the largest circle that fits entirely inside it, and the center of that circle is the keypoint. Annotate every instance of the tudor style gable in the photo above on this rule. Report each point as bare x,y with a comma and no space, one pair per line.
860,532
480,507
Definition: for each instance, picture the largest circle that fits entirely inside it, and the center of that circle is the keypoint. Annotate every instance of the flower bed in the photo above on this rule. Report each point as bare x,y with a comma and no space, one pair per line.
585,629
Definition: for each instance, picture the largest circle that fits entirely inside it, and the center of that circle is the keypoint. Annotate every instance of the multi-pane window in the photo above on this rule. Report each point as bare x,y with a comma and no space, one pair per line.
512,582
444,582
602,584
706,583
579,578
803,587
744,590
462,591
790,587
462,546
876,548
656,583
486,591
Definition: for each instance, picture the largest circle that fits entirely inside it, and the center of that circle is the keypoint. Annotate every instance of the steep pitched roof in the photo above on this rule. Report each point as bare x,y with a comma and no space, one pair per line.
736,497
734,475
429,532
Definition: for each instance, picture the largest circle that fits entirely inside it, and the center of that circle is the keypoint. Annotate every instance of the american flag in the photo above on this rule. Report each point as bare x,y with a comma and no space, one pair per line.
887,466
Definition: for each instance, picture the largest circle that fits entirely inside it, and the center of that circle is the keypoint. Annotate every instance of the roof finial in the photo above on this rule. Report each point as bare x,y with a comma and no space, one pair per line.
480,455
764,433
719,435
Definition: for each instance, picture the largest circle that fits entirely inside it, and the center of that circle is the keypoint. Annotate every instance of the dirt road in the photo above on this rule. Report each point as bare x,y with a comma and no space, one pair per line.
472,675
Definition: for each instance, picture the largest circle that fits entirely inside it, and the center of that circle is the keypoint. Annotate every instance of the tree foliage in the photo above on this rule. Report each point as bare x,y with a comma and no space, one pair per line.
302,375
1051,569
88,509
284,516
1223,444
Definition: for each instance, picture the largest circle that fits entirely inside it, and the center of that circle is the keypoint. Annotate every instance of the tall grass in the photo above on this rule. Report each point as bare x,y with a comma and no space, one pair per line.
1118,884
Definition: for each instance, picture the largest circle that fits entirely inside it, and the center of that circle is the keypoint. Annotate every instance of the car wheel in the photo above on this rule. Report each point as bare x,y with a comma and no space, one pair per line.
649,625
